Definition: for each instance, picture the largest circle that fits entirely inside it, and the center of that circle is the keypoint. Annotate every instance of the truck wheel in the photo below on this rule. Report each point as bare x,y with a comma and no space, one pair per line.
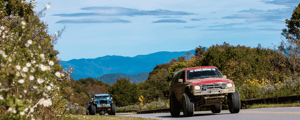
93,109
174,106
102,113
216,108
87,112
113,110
234,104
188,106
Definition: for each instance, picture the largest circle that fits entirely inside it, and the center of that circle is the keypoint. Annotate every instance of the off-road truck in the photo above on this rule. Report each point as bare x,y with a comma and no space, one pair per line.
101,103
192,88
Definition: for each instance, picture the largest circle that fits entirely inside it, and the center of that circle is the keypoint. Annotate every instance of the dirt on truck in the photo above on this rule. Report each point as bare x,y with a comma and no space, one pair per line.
192,88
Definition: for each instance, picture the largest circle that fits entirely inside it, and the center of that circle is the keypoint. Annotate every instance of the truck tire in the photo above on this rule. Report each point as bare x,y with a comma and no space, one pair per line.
174,106
101,113
112,110
93,109
216,108
87,112
187,105
234,104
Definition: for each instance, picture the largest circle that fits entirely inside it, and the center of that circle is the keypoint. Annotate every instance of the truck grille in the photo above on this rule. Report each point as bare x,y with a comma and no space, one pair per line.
212,86
103,101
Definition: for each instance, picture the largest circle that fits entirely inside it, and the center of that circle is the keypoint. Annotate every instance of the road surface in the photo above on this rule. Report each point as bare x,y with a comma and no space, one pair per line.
285,113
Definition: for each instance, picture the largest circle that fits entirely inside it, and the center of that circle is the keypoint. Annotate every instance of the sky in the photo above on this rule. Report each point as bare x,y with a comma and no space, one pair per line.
96,28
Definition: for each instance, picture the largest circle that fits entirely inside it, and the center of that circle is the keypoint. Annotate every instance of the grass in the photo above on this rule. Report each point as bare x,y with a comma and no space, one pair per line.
103,117
288,104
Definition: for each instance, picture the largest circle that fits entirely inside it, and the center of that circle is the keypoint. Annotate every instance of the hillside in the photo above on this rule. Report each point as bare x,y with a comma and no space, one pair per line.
85,68
111,78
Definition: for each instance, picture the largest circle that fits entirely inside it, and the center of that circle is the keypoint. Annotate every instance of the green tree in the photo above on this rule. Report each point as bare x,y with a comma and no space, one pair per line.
292,46
124,93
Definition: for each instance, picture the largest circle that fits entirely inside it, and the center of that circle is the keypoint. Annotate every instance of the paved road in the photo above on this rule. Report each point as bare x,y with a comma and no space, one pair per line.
287,113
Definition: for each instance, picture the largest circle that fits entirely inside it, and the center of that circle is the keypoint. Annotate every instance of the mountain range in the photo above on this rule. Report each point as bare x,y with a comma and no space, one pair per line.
117,65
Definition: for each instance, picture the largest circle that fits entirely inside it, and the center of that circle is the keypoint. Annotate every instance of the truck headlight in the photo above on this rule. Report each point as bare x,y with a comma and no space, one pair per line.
197,87
229,85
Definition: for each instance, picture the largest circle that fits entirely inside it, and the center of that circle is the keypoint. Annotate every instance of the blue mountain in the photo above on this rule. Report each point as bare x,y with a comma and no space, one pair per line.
97,67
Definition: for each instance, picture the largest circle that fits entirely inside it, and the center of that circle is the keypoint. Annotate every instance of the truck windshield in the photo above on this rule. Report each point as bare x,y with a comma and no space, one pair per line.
101,97
203,73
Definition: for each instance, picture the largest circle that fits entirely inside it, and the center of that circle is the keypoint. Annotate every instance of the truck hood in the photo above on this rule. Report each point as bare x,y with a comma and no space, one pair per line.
210,81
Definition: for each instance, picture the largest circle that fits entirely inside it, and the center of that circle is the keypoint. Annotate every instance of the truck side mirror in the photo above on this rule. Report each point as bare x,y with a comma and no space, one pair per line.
180,81
224,76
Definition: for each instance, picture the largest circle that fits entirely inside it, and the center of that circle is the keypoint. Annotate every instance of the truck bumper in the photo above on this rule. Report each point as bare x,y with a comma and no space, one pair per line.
213,91
103,106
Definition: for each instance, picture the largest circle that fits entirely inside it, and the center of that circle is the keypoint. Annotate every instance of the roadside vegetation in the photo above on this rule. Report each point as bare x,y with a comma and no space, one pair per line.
103,117
286,104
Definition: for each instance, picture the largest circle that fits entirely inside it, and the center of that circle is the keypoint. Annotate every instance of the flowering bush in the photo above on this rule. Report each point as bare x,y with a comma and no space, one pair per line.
30,74
264,88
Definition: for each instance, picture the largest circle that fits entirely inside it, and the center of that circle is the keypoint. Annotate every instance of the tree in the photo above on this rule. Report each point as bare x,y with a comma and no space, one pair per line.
292,33
199,51
124,92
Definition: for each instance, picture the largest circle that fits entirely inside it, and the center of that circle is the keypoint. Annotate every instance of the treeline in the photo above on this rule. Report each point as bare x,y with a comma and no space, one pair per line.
239,63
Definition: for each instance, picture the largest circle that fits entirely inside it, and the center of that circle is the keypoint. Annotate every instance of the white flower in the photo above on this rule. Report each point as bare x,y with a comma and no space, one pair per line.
9,59
27,45
2,52
23,22
47,6
46,103
31,109
32,70
25,110
33,62
48,87
14,111
62,74
25,91
31,77
40,81
34,87
18,67
28,64
51,63
1,97
43,67
29,42
51,84
42,56
9,109
21,81
23,75
17,74
25,69
48,68
57,74
22,113
2,27
4,56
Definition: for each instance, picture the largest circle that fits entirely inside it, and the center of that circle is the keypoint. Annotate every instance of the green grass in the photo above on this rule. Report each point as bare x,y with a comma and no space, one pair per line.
103,117
288,104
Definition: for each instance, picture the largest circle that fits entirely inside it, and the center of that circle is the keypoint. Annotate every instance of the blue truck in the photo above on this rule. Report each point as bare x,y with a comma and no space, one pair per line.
101,103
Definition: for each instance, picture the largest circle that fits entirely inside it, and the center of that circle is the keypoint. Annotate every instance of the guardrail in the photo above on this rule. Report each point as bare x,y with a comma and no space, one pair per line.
244,103
290,98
